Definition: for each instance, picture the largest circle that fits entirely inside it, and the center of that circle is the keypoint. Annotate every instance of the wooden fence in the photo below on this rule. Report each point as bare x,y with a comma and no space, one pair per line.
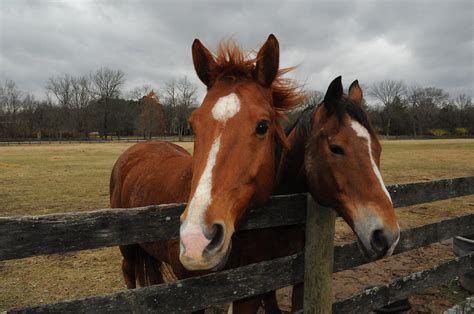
58,233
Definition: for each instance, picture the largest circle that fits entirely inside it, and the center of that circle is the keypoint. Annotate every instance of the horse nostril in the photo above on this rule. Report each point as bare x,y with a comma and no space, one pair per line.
379,241
217,237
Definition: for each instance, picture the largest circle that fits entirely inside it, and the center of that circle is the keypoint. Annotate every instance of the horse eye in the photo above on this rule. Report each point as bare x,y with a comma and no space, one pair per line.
262,128
336,149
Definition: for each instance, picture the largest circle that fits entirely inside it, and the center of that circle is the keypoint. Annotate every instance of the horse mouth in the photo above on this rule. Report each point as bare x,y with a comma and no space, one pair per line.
224,259
371,254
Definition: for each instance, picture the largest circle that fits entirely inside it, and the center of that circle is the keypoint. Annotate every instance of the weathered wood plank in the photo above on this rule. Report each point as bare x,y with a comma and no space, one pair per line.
57,233
281,210
430,234
48,234
348,255
227,286
430,191
319,258
189,294
398,289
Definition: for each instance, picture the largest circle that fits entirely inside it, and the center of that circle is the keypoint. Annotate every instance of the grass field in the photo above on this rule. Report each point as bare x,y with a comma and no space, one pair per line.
40,179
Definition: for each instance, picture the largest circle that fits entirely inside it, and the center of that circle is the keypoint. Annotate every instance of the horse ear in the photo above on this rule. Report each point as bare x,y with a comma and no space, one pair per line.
203,63
268,59
333,94
355,93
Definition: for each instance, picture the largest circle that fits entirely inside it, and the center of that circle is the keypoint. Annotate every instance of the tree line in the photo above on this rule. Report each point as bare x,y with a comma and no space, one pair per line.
96,105
397,109
81,107
416,110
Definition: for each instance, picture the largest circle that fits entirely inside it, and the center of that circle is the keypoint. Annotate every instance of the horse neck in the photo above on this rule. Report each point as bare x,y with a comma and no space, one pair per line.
291,177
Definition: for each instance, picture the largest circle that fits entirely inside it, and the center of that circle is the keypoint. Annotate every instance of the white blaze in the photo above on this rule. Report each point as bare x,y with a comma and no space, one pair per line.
202,197
224,109
361,131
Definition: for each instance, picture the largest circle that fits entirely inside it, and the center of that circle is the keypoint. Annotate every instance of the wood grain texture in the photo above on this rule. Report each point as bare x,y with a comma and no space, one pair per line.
348,255
58,233
189,294
400,288
226,286
430,191
319,258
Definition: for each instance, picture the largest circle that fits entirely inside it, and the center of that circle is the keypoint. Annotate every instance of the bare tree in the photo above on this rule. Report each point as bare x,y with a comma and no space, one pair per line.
414,98
81,92
10,105
73,95
463,102
10,97
425,103
106,85
187,100
170,93
61,89
179,99
81,98
387,92
138,92
29,105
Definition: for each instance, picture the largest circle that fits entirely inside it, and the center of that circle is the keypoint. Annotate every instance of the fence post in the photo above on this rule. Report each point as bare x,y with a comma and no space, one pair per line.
319,258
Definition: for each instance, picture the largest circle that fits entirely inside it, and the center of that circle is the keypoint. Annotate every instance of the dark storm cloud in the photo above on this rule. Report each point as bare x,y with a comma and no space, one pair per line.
428,43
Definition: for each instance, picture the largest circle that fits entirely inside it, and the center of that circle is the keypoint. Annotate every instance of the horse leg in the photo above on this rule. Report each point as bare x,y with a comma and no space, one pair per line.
129,254
151,269
248,305
297,297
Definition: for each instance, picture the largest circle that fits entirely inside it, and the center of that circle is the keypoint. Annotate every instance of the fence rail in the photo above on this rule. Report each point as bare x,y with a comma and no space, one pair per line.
227,286
57,233
29,236
400,288
200,292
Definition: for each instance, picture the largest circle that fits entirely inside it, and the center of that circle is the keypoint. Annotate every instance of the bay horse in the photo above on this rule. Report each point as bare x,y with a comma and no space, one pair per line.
233,167
334,154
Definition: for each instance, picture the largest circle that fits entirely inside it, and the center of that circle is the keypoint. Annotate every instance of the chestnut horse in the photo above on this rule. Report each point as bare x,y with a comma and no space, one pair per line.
327,146
233,167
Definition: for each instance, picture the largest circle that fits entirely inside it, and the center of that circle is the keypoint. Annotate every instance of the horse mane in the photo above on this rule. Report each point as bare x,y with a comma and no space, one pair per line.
234,63
356,112
304,122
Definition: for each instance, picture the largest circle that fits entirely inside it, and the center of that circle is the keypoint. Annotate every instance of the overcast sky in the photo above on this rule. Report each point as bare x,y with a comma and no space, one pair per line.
428,43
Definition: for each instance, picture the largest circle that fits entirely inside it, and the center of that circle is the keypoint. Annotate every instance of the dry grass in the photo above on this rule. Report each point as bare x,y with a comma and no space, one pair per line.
52,178
418,160
41,179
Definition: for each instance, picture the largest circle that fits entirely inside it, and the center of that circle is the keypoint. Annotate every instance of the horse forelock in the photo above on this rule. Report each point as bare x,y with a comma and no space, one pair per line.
355,112
232,63
343,107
